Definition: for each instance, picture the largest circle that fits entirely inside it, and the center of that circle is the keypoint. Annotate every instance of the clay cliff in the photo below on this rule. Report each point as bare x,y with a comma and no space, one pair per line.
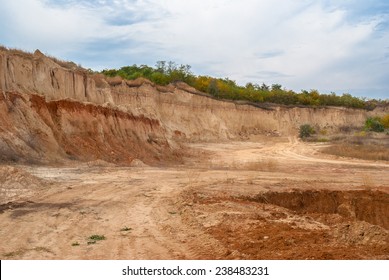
52,110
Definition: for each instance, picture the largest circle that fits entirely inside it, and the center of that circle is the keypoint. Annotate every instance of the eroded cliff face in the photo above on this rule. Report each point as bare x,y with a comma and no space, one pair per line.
35,130
202,118
52,110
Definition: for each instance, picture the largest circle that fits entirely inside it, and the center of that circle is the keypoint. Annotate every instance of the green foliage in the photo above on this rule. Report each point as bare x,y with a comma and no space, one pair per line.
163,73
94,238
169,72
374,124
306,130
213,89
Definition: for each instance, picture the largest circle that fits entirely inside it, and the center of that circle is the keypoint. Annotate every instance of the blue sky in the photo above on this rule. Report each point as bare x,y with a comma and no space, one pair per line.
340,46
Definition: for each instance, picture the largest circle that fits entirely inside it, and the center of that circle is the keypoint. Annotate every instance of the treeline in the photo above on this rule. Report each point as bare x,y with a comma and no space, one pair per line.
169,72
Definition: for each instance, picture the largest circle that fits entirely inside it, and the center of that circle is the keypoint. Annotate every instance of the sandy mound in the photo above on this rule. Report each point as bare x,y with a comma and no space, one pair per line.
138,163
17,184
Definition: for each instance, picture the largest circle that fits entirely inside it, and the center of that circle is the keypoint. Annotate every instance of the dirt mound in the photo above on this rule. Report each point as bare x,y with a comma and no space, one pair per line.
17,184
361,233
294,224
138,163
365,205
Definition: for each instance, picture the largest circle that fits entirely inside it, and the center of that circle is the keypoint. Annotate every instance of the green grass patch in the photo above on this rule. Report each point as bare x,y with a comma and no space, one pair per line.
97,237
94,238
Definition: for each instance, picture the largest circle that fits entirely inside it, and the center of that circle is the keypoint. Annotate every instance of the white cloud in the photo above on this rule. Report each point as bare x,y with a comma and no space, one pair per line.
34,24
300,44
235,38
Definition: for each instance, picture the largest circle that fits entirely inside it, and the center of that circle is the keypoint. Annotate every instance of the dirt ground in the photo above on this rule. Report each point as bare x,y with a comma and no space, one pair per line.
267,198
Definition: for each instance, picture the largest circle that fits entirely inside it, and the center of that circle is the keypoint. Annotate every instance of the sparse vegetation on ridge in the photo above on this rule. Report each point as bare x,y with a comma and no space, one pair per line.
63,63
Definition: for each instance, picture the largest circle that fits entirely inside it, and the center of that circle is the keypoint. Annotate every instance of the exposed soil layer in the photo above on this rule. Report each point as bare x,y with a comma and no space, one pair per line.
34,130
366,205
310,226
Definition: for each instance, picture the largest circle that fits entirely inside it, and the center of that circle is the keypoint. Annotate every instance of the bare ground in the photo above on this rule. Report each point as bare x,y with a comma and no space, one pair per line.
271,198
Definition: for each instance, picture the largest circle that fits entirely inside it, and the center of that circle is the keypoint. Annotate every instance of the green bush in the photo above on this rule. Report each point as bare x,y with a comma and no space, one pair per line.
306,130
374,124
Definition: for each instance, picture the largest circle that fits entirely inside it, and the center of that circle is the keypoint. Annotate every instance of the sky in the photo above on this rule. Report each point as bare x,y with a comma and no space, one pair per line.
332,46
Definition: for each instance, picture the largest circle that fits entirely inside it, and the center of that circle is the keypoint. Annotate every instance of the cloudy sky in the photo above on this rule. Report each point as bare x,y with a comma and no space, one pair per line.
340,46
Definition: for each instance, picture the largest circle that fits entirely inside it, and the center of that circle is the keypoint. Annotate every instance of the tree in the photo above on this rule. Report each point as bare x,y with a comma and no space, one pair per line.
213,88
275,87
161,66
264,87
110,72
171,66
249,86
159,78
201,83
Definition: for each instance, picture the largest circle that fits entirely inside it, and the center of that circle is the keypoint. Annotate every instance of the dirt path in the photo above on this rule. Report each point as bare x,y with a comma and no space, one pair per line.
224,203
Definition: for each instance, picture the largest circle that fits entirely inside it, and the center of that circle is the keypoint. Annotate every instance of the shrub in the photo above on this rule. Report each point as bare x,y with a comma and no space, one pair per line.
94,238
374,124
385,121
125,229
97,237
306,130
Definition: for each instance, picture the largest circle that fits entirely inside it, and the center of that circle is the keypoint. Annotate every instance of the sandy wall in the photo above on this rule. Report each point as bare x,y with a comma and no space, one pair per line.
67,111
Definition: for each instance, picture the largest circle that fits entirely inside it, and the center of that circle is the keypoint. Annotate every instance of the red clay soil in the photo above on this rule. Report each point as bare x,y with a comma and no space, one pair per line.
318,227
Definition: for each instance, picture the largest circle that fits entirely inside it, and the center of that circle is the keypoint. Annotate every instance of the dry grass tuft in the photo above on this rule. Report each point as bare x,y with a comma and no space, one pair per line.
66,64
269,165
361,145
16,51
367,152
